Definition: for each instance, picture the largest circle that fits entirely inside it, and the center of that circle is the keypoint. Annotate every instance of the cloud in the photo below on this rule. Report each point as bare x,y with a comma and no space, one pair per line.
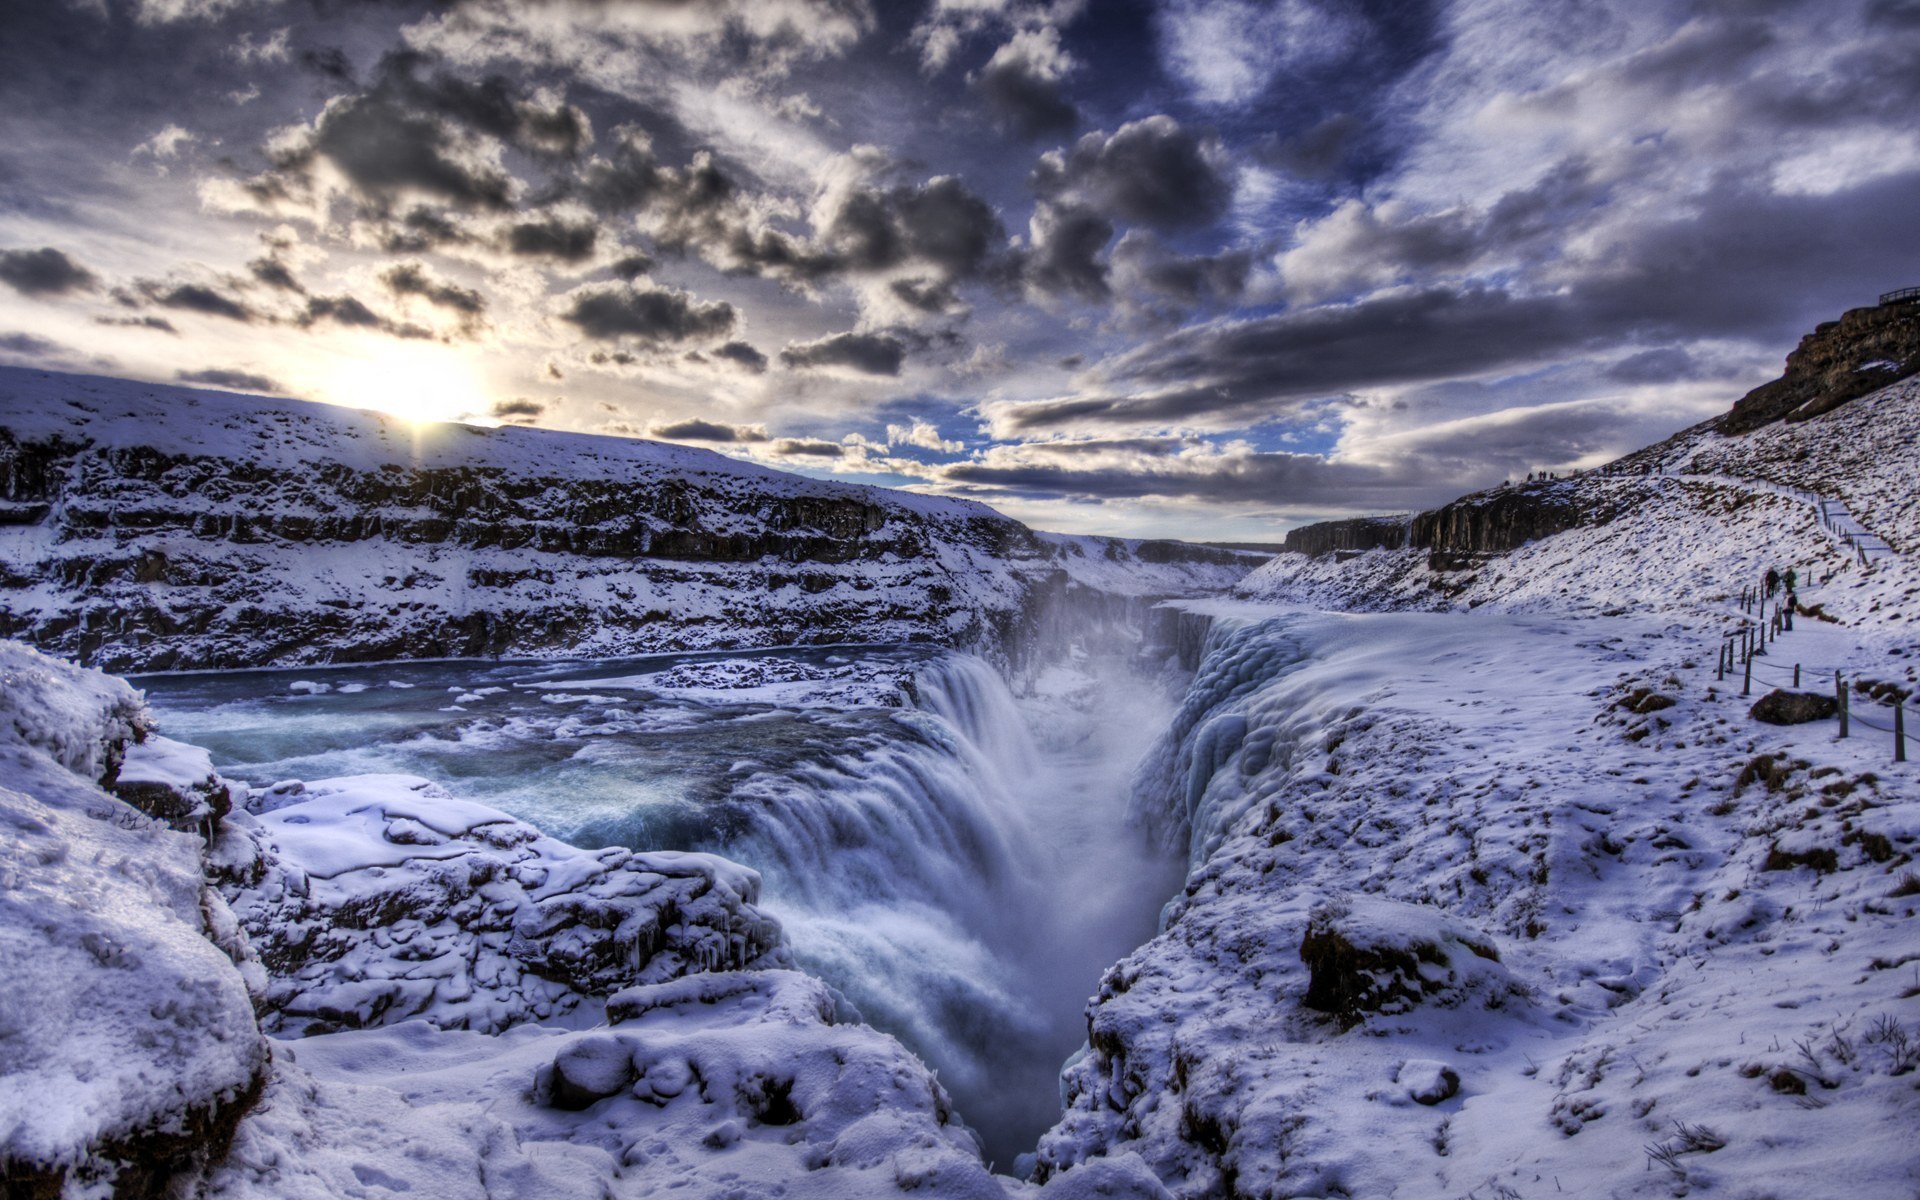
1065,260
650,315
741,355
44,272
419,133
1230,51
696,430
413,279
1151,172
31,345
271,271
231,380
552,236
1021,85
517,408
862,353
631,266
807,448
157,324
352,313
924,435
193,297
1155,282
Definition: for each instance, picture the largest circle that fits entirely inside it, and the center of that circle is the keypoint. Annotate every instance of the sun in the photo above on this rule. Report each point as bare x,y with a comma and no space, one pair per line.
420,384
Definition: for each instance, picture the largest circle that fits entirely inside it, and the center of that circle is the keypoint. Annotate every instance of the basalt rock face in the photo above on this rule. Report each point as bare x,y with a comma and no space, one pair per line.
1862,352
1497,521
1353,535
151,528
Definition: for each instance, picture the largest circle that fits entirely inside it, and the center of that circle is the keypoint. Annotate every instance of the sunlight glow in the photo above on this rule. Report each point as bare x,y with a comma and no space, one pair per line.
421,384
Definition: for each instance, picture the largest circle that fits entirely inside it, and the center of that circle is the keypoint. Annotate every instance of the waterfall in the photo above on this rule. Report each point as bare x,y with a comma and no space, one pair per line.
1175,794
961,888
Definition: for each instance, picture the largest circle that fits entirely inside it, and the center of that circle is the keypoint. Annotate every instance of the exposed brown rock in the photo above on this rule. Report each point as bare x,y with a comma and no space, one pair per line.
1835,364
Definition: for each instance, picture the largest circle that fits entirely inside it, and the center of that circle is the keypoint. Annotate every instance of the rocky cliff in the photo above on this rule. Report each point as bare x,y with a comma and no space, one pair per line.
148,527
1353,535
1862,352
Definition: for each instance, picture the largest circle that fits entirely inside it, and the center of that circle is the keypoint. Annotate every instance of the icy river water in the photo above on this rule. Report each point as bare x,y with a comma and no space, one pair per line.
955,861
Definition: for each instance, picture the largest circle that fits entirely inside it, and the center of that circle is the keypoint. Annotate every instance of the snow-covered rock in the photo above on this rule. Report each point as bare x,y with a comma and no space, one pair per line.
379,898
128,1046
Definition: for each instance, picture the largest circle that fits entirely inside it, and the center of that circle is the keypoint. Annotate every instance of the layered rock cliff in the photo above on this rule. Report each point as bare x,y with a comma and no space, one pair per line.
148,527
1862,352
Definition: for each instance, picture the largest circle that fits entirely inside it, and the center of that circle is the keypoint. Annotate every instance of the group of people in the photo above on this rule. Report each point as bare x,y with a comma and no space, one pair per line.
1776,577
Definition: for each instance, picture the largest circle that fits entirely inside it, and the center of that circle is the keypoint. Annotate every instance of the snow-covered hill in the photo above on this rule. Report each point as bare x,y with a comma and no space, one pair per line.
1681,527
153,527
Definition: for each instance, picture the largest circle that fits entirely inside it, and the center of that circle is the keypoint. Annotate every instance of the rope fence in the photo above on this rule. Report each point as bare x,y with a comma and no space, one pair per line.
1743,651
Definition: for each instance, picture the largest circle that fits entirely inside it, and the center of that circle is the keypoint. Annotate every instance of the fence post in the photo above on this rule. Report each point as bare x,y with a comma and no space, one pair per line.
1840,700
1746,685
1899,730
1796,677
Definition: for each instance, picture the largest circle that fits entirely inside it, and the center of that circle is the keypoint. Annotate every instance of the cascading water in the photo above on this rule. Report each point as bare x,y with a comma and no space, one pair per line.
961,882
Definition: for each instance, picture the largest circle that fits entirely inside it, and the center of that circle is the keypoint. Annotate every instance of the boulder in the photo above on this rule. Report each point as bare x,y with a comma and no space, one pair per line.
1783,707
1370,955
1428,1081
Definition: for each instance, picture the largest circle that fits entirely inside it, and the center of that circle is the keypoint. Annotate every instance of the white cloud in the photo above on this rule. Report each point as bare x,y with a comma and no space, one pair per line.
1229,51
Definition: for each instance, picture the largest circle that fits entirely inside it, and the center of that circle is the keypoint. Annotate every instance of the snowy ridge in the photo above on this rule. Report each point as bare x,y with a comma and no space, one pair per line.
151,527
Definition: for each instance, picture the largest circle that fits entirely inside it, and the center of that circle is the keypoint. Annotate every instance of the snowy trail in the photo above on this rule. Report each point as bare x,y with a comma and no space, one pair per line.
1835,517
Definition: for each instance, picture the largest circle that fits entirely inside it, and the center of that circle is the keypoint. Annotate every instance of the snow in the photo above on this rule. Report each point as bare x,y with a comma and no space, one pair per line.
121,1020
382,898
163,762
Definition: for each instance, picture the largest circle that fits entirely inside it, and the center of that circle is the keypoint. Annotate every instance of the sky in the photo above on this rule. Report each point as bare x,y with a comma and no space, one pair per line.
1190,268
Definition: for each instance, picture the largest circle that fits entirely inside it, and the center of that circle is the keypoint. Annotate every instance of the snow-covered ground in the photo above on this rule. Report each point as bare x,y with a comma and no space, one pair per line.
1704,925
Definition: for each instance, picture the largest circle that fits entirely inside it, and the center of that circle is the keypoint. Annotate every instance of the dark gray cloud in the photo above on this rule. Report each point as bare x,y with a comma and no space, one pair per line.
550,236
808,448
650,315
231,380
741,354
413,279
1151,172
157,324
196,297
271,271
430,132
1664,364
31,345
519,407
939,223
1066,258
1022,87
631,266
44,272
1158,282
697,430
865,353
353,313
